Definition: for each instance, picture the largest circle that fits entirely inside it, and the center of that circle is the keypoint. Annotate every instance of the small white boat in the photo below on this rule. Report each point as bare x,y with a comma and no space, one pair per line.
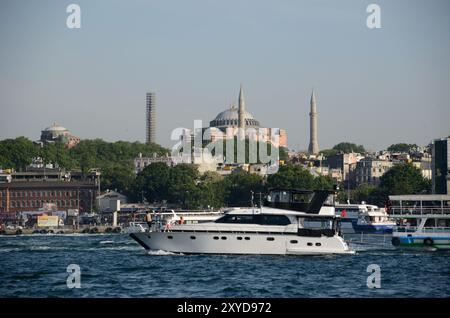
364,218
423,221
291,222
374,221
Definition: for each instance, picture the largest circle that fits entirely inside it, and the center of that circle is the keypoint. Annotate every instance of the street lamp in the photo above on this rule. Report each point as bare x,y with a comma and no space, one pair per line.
90,191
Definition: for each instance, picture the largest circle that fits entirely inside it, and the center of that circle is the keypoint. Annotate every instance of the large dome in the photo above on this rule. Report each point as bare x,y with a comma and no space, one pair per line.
230,117
56,128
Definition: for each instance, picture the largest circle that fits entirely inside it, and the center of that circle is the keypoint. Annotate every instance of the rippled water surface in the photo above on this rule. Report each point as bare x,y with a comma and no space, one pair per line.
115,266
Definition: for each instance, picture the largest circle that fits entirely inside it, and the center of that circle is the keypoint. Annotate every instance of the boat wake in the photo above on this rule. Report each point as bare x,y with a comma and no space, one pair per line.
161,253
107,242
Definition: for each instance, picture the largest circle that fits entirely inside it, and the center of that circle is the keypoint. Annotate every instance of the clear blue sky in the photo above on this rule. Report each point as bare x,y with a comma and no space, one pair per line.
373,87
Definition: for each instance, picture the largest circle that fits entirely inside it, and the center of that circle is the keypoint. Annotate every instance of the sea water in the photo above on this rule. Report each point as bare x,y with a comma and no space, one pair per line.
113,265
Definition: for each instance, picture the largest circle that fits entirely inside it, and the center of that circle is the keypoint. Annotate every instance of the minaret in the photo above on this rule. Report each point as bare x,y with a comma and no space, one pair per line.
151,117
313,148
241,114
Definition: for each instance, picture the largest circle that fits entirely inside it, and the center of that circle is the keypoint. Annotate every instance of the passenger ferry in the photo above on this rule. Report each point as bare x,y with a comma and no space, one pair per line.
364,218
290,222
423,221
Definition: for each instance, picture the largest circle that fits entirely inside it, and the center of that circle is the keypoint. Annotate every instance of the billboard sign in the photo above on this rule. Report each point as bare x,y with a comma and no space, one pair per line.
47,220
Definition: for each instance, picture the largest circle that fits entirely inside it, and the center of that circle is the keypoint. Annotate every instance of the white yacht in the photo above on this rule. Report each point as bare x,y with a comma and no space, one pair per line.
291,222
423,221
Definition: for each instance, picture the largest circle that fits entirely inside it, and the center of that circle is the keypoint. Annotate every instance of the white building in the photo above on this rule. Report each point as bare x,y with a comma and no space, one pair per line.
370,170
110,201
141,162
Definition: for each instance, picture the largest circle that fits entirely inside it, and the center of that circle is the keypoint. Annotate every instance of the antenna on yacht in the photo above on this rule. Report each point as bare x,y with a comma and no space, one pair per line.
252,199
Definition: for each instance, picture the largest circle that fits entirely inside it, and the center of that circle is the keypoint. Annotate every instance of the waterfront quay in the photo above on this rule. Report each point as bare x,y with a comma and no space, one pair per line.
98,229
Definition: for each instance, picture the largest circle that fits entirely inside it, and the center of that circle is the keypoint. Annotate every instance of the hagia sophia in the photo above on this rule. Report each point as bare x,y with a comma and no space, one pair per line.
57,133
230,121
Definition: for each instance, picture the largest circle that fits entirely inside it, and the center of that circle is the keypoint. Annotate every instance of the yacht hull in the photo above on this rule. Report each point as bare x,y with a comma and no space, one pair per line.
241,243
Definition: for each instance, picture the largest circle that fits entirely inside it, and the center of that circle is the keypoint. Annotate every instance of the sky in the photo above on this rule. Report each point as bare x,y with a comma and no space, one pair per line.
373,87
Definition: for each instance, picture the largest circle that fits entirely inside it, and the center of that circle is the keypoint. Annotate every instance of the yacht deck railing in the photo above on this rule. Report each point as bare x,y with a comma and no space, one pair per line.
418,210
412,229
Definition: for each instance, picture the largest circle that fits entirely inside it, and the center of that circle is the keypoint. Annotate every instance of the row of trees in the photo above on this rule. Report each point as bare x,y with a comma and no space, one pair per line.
115,159
183,185
402,147
18,153
344,147
348,147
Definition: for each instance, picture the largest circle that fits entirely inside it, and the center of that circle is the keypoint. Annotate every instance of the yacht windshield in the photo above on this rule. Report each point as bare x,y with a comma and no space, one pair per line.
302,197
266,219
278,196
235,218
261,219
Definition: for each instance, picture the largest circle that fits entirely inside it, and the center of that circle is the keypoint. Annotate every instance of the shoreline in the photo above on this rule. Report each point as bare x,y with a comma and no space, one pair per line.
98,229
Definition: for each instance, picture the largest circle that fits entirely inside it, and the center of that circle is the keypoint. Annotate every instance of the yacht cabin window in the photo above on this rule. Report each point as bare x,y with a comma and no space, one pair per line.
278,196
302,197
261,219
236,218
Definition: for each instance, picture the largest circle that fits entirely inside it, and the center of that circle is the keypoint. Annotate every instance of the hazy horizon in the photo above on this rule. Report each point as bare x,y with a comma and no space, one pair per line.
374,87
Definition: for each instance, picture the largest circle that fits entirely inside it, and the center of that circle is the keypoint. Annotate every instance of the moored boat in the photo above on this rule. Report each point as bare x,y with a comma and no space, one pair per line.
374,221
423,221
364,218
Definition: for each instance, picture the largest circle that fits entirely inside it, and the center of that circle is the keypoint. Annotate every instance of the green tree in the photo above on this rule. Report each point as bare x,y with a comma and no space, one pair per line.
120,178
348,147
238,186
17,153
323,183
211,190
364,192
370,194
153,182
57,154
404,179
291,176
182,186
115,161
402,147
97,153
